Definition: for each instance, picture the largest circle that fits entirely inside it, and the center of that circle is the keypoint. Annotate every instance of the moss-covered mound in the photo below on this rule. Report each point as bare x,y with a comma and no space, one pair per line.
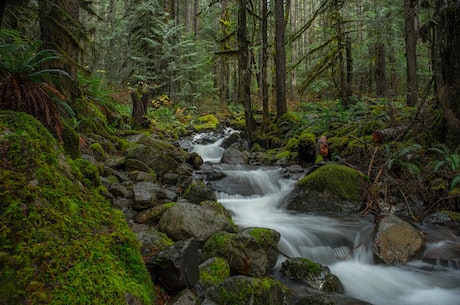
60,241
207,122
332,188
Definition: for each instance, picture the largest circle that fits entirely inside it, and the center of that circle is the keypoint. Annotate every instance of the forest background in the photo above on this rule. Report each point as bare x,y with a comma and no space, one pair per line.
284,66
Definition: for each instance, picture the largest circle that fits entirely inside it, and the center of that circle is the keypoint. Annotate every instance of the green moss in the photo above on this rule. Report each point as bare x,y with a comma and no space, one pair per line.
292,144
64,243
98,151
312,267
345,182
207,122
256,148
71,141
214,273
89,172
257,289
455,216
283,154
307,137
216,242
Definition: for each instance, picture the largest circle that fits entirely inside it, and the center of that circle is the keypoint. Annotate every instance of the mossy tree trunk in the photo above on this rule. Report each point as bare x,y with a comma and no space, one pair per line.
280,60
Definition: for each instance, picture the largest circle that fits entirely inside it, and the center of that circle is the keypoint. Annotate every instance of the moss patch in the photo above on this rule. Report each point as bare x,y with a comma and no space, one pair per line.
60,242
207,122
342,181
214,273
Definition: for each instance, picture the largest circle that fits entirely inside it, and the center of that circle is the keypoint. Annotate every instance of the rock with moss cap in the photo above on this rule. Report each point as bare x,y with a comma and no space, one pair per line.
330,189
206,123
61,241
313,274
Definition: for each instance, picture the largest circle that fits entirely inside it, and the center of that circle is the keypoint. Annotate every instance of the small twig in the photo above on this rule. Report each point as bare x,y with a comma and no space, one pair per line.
407,205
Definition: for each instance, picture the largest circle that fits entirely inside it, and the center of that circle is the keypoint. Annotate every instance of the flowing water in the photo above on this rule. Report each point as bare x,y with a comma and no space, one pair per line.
342,243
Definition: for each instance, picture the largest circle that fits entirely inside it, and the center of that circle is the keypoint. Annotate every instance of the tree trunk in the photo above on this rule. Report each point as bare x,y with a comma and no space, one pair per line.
263,63
448,37
55,14
244,74
349,70
280,60
411,54
140,104
381,71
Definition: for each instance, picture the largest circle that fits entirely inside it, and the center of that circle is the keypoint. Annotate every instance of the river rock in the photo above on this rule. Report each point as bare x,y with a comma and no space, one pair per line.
136,165
242,252
396,241
185,297
194,159
159,155
449,219
145,195
313,274
151,239
330,189
119,190
268,239
244,290
198,191
152,215
234,156
176,268
231,139
187,220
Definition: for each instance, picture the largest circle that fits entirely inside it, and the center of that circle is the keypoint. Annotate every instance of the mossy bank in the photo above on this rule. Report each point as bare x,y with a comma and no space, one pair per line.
61,242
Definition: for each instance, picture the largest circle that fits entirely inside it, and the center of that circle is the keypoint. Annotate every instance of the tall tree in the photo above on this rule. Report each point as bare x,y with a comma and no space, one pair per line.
61,30
244,74
411,51
280,60
447,14
263,62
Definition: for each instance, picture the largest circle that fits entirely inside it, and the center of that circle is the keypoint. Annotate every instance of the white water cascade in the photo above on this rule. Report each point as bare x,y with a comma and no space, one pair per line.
342,243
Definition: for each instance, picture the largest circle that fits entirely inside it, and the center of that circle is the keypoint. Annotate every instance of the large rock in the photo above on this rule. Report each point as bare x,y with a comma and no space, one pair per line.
313,274
330,189
242,252
145,195
176,268
268,239
396,241
234,156
187,220
244,290
198,191
159,155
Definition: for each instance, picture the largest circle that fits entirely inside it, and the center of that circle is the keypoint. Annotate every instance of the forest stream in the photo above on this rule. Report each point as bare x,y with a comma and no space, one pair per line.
343,243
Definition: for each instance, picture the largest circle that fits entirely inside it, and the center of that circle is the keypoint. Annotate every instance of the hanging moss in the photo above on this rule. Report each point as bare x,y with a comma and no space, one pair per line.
60,242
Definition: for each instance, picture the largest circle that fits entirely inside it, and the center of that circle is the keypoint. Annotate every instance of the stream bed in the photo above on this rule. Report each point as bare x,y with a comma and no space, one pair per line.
343,243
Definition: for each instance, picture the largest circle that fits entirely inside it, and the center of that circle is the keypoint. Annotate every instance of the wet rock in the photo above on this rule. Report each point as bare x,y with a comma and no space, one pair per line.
187,220
145,195
152,215
195,160
449,219
331,189
243,290
186,297
268,239
212,272
136,165
176,268
231,139
313,274
119,190
152,240
198,191
242,252
396,241
141,176
234,156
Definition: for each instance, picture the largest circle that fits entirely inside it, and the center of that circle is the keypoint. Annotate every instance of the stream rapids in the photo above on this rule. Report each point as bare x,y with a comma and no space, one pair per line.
342,243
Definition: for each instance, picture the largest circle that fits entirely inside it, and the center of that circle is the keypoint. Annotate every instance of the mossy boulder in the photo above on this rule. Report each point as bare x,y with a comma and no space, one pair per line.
213,272
238,290
60,242
331,189
315,275
306,148
206,122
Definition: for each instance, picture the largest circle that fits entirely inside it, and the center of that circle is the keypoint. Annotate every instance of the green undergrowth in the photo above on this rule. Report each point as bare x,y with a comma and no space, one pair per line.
60,242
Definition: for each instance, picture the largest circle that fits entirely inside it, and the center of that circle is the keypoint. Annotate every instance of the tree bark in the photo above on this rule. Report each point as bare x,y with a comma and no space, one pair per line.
381,71
411,53
448,38
55,14
280,60
263,63
244,75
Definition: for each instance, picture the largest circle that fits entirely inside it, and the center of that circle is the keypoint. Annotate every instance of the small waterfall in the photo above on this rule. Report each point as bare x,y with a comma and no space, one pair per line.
255,196
210,152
